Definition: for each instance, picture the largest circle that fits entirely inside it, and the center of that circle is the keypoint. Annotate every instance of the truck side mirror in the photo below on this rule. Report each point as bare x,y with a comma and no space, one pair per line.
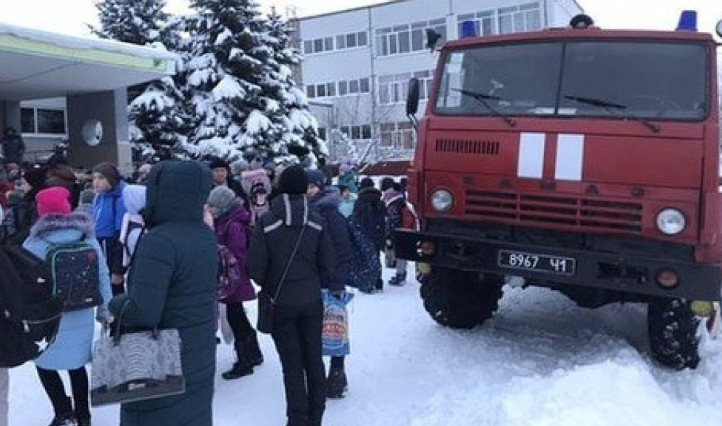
412,99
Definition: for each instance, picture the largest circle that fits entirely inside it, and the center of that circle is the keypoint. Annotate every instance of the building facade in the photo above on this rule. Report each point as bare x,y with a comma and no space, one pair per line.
357,62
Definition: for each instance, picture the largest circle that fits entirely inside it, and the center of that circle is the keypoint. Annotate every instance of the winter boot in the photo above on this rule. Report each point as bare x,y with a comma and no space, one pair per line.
398,280
240,368
67,419
237,371
255,357
336,384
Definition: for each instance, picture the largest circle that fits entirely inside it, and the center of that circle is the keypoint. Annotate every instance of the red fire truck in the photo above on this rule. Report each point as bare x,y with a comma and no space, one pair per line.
580,159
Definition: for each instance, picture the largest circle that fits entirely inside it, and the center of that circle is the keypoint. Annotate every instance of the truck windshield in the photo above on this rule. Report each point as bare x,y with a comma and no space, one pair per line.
642,80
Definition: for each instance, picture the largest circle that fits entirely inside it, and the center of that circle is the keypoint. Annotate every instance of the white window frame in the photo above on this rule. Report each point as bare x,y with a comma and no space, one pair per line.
36,132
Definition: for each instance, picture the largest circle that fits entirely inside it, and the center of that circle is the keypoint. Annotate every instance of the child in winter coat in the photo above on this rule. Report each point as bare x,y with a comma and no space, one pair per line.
132,226
325,201
400,214
71,349
348,199
257,185
233,227
108,211
348,177
369,215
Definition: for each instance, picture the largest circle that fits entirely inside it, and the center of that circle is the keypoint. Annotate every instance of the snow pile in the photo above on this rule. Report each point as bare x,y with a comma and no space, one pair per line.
540,362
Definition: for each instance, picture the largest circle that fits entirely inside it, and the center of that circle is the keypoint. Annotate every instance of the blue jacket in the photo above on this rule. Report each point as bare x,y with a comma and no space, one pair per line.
108,211
73,345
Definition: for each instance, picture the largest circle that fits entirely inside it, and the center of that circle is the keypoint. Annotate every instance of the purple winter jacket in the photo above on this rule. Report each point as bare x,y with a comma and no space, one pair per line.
233,231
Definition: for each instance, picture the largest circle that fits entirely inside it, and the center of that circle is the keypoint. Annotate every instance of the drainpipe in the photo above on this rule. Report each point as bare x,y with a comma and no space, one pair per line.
374,90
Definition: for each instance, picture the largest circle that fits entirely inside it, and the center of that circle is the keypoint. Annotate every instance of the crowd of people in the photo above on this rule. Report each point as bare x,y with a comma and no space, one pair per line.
159,234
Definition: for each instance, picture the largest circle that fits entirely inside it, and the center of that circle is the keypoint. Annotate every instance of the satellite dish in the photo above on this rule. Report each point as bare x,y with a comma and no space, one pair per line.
92,132
719,28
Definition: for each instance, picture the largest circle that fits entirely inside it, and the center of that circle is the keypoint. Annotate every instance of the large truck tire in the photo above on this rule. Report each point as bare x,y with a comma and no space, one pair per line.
673,333
460,299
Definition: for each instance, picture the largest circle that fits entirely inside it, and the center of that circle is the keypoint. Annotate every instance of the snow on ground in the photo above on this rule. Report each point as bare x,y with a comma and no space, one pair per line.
541,361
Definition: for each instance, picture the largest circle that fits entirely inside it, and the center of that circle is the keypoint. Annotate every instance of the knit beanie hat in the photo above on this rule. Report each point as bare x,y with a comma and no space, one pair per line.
366,183
109,172
35,177
293,180
316,177
223,199
61,175
386,183
54,200
219,163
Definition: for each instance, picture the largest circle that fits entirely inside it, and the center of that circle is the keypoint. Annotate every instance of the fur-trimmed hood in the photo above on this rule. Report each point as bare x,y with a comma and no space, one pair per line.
77,221
328,199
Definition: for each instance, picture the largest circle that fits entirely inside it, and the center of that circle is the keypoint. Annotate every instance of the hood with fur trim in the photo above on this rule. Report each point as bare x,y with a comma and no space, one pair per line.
77,221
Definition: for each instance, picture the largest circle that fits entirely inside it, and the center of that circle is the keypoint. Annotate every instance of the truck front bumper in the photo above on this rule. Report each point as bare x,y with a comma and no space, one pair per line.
602,270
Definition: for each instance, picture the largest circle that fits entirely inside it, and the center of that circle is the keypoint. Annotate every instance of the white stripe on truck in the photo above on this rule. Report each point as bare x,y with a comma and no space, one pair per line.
531,155
570,157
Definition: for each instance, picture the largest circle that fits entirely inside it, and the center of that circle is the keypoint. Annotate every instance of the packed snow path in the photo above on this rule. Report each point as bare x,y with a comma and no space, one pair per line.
540,361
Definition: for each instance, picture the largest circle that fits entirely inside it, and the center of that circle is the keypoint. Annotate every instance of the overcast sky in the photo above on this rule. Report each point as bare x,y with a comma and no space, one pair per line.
70,16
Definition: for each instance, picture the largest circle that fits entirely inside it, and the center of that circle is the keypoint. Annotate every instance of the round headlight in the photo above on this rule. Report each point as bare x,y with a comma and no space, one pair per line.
442,200
671,221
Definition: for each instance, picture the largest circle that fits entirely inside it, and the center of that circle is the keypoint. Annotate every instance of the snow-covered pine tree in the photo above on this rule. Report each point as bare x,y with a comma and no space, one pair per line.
225,75
156,109
132,21
300,128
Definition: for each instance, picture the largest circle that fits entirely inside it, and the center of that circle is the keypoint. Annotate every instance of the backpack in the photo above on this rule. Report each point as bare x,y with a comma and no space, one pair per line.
76,275
229,273
29,312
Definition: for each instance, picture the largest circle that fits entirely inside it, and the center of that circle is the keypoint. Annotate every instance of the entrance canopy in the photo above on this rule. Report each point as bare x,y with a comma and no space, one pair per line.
37,64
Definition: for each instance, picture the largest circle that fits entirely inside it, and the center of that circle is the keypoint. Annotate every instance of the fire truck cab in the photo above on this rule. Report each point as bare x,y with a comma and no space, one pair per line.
580,159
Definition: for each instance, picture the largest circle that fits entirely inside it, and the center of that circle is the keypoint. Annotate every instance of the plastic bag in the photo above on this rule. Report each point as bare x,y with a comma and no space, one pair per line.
335,324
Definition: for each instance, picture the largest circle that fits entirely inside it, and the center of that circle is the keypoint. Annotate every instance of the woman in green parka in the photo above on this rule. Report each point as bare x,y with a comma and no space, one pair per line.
172,284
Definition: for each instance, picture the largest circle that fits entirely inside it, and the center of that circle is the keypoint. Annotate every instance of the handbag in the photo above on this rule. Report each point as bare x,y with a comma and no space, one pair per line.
136,366
266,303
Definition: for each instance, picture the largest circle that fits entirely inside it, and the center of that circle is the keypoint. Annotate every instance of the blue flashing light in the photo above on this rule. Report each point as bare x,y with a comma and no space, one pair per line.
468,29
688,21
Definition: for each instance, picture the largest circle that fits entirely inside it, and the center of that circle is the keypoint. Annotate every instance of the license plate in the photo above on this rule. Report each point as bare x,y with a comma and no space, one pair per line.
537,262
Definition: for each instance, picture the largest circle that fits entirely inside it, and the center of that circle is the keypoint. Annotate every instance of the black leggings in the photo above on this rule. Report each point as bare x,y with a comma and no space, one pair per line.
238,320
56,391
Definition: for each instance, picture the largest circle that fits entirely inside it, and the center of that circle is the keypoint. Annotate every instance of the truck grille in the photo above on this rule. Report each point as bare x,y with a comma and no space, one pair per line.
468,146
558,210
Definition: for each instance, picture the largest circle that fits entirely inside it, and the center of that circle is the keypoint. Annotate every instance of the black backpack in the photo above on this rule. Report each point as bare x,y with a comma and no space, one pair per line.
29,313
75,274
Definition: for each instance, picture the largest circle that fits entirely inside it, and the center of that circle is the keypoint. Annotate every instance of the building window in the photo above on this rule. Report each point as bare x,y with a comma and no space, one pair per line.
330,89
364,85
483,22
366,131
51,121
387,134
322,132
407,38
311,91
318,45
27,120
308,47
43,121
340,42
353,86
393,89
515,19
342,88
362,38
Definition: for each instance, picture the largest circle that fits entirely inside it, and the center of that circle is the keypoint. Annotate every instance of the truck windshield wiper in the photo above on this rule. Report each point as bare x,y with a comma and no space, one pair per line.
482,98
614,109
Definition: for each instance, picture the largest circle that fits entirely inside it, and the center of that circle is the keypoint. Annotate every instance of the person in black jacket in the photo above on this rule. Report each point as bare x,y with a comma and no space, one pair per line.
325,200
222,177
370,213
298,317
13,146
